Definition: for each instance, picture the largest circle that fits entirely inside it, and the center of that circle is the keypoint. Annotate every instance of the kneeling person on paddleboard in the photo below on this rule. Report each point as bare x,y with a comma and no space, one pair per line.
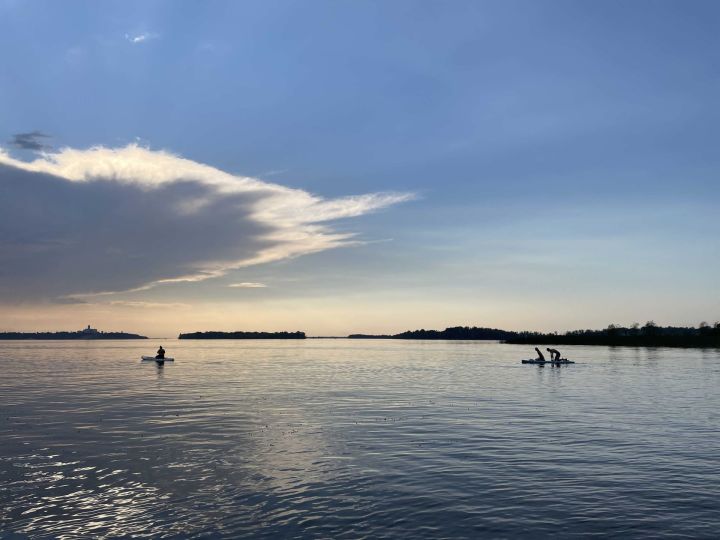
160,354
540,355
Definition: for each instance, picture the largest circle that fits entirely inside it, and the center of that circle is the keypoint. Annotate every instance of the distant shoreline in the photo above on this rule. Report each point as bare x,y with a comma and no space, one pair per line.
66,336
650,335
243,335
623,341
455,332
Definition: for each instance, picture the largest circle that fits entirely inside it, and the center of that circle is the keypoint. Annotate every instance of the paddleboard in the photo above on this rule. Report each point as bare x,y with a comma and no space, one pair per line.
153,359
556,362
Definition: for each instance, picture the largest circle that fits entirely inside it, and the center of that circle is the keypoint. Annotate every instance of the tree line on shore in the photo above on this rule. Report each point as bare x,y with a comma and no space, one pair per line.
456,332
649,335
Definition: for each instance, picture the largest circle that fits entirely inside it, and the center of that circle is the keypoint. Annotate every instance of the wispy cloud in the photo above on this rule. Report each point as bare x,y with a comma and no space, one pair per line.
32,140
75,223
248,285
273,172
140,38
148,305
68,300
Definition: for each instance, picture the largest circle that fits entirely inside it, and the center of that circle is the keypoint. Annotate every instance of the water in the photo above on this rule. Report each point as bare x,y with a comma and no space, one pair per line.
349,439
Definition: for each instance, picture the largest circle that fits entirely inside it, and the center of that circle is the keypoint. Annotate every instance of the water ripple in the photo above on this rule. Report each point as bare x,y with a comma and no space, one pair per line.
349,439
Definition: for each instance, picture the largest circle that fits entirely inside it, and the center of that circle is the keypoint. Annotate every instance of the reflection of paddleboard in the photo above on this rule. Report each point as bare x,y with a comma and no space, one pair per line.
153,359
554,362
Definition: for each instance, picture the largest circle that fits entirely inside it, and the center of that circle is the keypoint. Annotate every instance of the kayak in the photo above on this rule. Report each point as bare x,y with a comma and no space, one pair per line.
554,362
153,359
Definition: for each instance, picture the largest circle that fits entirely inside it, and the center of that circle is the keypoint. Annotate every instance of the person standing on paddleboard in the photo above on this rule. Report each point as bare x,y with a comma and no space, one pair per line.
554,354
160,354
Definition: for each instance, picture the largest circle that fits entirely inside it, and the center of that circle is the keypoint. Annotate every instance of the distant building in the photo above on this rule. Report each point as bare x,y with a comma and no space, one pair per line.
90,331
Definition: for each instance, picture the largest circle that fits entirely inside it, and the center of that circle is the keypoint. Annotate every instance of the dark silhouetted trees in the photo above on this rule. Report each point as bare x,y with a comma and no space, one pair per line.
454,333
650,335
68,335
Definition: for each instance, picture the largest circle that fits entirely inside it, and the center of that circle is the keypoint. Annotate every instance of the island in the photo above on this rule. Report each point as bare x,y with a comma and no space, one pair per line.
243,335
85,333
456,332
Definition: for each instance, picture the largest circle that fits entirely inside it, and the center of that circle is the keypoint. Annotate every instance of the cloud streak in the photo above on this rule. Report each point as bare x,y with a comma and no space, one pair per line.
78,223
149,305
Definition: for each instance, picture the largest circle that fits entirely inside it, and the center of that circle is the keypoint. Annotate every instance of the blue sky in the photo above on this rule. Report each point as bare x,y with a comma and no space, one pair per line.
545,165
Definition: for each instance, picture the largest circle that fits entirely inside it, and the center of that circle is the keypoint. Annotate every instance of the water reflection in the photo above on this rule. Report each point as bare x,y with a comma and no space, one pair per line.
341,438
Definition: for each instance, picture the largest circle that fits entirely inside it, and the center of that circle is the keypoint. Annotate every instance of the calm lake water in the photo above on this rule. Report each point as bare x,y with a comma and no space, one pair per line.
353,439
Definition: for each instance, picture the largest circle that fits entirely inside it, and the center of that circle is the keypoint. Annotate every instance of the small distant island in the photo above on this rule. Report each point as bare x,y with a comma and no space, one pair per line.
456,332
243,335
85,333
649,335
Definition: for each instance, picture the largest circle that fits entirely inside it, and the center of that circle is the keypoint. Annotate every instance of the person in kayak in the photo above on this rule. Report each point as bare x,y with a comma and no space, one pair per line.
160,354
540,355
554,354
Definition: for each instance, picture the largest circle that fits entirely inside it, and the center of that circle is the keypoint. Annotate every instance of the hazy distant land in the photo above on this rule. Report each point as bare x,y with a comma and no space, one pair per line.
243,335
77,335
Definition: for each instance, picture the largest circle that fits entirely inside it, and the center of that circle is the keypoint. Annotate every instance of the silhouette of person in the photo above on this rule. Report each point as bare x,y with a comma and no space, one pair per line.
160,353
540,355
554,354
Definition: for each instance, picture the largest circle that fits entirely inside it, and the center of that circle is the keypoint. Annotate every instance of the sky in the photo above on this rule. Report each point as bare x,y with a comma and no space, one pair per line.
346,167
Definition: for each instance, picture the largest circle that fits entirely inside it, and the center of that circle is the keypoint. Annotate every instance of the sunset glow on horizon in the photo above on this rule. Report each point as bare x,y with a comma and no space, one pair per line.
338,168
